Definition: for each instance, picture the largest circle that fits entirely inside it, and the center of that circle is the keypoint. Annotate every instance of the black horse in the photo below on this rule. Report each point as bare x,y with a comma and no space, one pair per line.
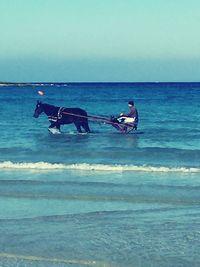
60,115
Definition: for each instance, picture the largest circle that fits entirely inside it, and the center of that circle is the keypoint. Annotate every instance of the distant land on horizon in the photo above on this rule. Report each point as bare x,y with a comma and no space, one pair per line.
60,83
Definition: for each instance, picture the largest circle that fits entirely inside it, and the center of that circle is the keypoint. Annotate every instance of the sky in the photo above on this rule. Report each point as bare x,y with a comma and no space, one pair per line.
99,40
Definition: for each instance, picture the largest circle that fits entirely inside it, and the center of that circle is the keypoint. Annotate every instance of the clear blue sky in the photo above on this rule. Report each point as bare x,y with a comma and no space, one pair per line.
99,40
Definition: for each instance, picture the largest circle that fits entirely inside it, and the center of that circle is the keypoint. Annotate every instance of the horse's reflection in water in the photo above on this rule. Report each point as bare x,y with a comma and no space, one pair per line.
60,115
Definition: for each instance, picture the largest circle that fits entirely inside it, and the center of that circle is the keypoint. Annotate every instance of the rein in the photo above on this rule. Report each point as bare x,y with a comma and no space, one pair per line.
100,119
95,118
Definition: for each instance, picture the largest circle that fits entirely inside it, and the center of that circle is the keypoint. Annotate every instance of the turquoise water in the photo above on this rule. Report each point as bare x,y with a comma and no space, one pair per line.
101,199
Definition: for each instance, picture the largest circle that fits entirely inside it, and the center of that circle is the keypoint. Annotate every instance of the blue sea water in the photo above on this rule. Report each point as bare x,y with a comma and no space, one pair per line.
104,198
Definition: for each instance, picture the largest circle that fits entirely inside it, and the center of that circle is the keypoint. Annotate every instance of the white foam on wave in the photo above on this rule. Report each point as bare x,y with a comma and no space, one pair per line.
93,167
53,260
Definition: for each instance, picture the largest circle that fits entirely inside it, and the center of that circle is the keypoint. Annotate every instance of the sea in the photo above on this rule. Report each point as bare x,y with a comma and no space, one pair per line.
103,199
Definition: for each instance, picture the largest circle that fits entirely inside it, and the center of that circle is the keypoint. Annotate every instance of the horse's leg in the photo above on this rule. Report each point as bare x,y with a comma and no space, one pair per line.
55,124
86,127
78,127
52,125
54,128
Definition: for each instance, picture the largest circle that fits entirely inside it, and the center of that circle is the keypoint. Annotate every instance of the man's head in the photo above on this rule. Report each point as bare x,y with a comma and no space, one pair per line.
130,104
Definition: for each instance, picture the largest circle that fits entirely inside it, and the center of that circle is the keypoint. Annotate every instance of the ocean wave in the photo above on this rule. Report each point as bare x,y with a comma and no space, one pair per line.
93,167
32,259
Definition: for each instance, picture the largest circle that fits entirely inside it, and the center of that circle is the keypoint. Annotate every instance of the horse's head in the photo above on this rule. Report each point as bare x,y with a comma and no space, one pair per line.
38,109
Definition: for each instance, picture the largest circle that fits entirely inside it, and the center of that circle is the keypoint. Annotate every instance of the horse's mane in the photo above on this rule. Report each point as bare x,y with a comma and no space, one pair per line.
49,108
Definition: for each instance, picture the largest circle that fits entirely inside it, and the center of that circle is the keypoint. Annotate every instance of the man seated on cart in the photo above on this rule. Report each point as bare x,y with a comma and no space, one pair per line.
127,122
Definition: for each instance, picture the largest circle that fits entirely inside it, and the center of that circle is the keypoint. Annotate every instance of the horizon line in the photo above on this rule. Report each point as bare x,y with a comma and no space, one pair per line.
93,82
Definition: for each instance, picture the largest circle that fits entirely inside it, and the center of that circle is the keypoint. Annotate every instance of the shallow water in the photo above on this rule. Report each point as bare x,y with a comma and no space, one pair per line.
101,199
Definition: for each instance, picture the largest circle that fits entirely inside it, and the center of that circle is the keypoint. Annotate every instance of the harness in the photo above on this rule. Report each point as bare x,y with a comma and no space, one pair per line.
123,123
58,116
